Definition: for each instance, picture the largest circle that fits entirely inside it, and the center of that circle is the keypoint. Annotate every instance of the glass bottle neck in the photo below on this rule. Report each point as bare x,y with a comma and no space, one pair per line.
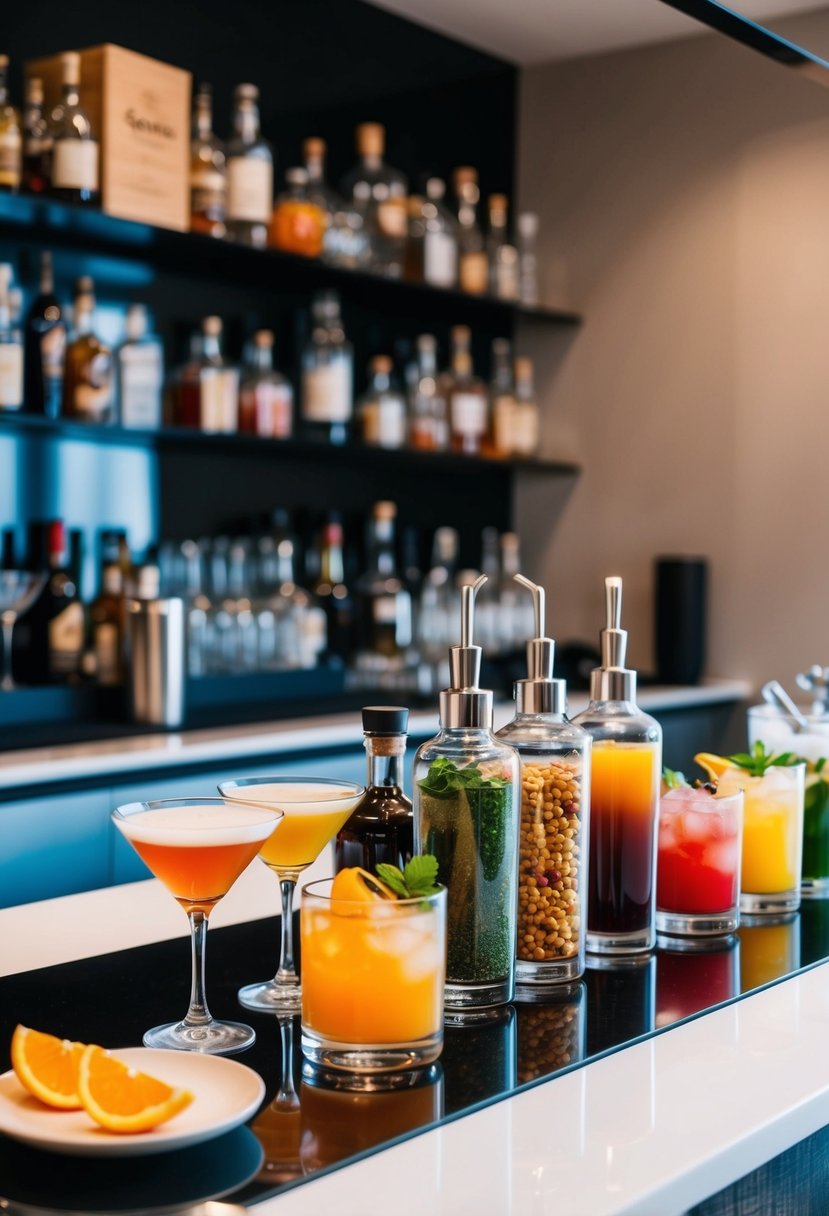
332,570
372,162
246,123
71,95
380,382
211,348
427,363
381,549
315,168
83,320
384,770
263,358
204,120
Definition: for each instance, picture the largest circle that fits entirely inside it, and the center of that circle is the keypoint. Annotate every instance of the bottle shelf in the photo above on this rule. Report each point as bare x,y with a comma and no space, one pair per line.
48,223
355,456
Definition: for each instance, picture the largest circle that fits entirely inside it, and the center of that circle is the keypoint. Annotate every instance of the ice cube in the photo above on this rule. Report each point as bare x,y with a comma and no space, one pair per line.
723,856
696,826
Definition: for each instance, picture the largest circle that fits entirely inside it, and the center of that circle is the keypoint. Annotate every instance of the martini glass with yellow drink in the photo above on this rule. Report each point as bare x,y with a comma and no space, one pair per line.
314,810
197,847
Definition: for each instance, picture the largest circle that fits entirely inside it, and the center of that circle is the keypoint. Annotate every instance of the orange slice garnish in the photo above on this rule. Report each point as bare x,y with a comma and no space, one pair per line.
47,1066
123,1100
358,886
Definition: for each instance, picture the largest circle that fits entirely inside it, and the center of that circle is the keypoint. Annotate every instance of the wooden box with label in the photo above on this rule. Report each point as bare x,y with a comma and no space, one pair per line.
140,111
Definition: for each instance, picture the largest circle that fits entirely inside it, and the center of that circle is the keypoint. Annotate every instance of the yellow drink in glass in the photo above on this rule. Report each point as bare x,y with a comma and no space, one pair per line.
372,980
772,836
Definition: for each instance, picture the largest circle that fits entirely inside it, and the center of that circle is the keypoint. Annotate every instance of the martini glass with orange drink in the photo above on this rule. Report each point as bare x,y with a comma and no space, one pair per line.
314,809
197,847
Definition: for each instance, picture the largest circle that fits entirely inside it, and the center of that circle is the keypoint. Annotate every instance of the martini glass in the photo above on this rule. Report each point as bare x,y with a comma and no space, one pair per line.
197,847
315,808
18,591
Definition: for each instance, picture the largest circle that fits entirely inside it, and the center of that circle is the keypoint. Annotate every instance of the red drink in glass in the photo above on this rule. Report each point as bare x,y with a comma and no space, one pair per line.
698,862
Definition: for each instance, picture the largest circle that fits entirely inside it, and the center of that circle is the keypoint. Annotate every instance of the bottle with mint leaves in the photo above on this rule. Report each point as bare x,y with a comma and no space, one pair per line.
466,812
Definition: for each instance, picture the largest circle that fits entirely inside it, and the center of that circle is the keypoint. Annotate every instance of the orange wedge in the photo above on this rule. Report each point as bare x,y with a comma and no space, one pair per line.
47,1066
122,1100
714,765
357,885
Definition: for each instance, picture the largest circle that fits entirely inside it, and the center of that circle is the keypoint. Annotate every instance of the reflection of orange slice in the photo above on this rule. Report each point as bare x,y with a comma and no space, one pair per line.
359,886
714,765
47,1066
123,1100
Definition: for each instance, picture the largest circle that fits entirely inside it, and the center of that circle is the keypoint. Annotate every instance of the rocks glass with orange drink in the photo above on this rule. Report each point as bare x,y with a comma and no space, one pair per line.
373,974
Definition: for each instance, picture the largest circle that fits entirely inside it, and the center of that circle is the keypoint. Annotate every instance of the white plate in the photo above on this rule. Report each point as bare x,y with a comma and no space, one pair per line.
225,1094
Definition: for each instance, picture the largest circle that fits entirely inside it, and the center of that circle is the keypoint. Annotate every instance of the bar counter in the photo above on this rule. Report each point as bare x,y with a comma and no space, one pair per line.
649,1128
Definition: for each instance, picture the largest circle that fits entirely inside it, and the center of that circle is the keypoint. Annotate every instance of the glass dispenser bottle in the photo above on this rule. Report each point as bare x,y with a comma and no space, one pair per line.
466,814
380,828
624,799
553,839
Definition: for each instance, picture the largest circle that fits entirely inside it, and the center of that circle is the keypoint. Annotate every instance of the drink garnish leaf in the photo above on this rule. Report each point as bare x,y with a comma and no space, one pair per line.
418,878
673,780
758,760
445,778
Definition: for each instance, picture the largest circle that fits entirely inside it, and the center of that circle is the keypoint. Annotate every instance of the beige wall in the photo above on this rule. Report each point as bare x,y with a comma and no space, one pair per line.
684,200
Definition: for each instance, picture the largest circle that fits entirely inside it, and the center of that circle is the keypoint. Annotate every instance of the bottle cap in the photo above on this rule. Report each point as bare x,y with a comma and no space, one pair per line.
313,147
382,364
465,174
461,335
34,91
613,681
464,704
212,326
370,138
385,720
539,693
263,338
70,67
297,176
246,92
435,188
136,323
4,62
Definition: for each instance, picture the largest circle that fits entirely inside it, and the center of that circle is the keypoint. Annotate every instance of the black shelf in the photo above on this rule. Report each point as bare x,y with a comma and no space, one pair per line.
42,222
172,440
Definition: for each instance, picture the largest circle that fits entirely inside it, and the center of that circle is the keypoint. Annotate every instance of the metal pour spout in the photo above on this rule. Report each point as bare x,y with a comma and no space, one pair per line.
539,693
613,681
464,704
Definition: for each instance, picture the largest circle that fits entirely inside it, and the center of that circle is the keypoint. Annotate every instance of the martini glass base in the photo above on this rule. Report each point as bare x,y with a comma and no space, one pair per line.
270,997
214,1038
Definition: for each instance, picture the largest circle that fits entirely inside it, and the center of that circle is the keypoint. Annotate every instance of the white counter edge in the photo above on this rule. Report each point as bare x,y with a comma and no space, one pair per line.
38,766
646,1131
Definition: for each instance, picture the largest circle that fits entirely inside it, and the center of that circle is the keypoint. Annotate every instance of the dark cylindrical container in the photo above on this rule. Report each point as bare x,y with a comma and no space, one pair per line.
681,586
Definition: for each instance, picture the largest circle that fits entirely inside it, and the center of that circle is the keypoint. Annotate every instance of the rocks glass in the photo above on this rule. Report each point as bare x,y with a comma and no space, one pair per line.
772,852
698,862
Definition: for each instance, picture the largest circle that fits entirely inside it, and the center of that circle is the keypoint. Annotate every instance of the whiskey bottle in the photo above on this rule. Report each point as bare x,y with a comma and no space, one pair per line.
266,399
11,140
467,398
381,826
383,616
56,624
502,256
208,172
218,382
473,267
440,238
371,183
381,411
249,173
74,158
107,616
37,143
140,373
428,421
45,346
527,421
87,381
332,593
327,373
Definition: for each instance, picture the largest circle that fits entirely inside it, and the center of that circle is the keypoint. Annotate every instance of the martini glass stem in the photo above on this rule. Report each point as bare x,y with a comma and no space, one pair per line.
287,971
7,619
198,1014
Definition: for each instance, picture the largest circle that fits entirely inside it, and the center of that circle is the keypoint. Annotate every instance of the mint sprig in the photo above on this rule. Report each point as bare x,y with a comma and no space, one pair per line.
419,877
758,760
445,778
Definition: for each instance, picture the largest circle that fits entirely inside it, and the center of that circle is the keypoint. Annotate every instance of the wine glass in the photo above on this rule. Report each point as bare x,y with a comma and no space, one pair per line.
197,847
18,591
315,808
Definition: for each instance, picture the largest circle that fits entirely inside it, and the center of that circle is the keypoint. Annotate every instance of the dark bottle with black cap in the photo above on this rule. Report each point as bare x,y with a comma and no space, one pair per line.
380,828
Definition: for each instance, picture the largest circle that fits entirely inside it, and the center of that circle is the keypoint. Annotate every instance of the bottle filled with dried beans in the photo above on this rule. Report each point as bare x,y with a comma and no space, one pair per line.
552,852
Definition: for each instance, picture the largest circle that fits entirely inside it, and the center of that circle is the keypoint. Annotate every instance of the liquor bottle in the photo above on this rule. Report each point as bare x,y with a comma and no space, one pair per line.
74,155
56,624
555,798
502,398
266,398
440,238
140,373
313,158
87,381
37,143
208,171
381,826
428,419
107,617
381,411
473,267
528,291
383,606
327,373
299,222
11,138
333,594
218,383
249,173
526,432
624,799
182,405
11,360
466,397
45,346
466,813
501,255
372,183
